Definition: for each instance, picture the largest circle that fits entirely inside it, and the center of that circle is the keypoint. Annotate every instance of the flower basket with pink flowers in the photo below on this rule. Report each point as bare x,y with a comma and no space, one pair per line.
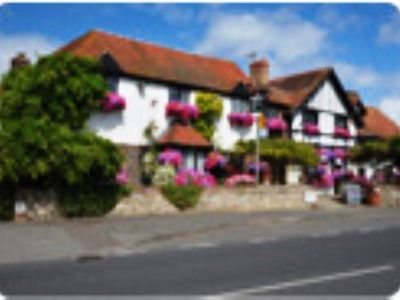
342,133
182,111
240,179
276,124
241,119
190,176
113,102
311,129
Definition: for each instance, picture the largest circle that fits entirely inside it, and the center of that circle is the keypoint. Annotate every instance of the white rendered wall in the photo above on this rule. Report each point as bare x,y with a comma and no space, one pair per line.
327,102
226,136
127,126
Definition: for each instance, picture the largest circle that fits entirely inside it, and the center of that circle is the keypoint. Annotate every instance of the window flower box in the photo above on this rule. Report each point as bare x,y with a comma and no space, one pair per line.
241,119
342,133
311,129
113,102
170,157
214,160
276,124
182,111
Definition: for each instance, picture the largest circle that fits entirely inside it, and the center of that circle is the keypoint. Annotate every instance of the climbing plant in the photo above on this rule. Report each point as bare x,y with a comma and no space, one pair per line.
210,107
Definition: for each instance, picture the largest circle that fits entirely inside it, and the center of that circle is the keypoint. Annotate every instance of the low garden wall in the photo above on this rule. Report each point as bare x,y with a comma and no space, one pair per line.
390,195
219,199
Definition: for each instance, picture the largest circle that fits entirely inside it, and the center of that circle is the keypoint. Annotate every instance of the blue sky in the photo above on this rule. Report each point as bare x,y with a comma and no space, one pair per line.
362,41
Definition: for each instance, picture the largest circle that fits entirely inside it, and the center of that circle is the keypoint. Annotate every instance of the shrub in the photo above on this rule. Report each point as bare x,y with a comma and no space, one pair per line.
88,200
210,108
182,196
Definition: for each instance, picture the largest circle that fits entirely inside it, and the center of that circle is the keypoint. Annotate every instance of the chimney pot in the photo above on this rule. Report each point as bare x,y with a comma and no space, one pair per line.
259,73
19,60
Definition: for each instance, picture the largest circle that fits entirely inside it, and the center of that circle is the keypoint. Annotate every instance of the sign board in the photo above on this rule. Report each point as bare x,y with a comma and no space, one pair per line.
353,194
310,197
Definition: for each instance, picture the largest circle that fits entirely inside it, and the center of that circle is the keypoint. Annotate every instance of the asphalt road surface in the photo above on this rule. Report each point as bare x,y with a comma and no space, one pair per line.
339,263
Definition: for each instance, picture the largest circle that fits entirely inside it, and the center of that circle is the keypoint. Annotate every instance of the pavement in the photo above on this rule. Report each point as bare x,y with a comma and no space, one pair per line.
85,239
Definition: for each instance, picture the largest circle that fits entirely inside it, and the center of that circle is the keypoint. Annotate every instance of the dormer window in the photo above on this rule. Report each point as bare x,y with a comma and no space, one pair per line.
178,95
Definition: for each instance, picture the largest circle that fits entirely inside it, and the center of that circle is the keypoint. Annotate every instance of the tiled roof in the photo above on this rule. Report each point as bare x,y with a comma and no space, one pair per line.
294,89
154,62
377,124
183,135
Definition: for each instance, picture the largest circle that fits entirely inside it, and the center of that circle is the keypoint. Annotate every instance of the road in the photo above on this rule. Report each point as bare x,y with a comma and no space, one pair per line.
358,262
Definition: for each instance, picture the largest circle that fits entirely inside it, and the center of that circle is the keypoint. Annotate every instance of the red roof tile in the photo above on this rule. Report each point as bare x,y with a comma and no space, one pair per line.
294,89
183,135
376,123
150,61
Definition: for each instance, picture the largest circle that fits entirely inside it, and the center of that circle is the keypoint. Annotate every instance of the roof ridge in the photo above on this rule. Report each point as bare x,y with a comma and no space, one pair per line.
168,48
306,72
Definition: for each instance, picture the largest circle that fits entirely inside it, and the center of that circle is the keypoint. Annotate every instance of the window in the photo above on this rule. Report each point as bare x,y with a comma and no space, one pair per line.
240,106
340,121
178,95
310,117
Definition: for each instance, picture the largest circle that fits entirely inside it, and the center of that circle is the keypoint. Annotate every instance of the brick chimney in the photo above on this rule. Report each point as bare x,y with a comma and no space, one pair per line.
259,73
19,60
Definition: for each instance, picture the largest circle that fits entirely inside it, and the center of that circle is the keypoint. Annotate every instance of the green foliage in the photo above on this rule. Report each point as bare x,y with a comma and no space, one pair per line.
210,107
280,151
164,175
60,88
182,197
88,199
44,141
371,151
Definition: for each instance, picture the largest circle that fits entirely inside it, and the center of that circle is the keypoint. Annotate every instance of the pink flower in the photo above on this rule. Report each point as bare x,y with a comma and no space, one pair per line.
122,177
171,157
342,133
311,129
113,101
183,111
189,176
213,160
241,119
277,124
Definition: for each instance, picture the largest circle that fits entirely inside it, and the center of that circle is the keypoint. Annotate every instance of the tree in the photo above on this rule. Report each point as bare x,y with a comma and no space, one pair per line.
394,150
60,88
210,107
374,151
44,142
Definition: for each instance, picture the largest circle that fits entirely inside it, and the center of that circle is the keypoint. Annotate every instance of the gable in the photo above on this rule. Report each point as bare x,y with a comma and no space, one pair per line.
326,98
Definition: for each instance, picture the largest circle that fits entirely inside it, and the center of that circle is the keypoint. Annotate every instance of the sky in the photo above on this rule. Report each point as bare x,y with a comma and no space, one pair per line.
361,41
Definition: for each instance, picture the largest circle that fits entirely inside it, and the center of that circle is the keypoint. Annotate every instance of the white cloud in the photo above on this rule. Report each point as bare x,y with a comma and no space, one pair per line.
389,32
361,77
391,107
328,15
280,34
32,44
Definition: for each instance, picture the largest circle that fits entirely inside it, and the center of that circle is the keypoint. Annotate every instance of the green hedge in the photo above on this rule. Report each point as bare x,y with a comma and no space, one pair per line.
183,197
87,200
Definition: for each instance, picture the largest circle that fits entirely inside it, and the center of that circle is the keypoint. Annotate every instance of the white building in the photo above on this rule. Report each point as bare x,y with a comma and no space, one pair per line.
150,76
